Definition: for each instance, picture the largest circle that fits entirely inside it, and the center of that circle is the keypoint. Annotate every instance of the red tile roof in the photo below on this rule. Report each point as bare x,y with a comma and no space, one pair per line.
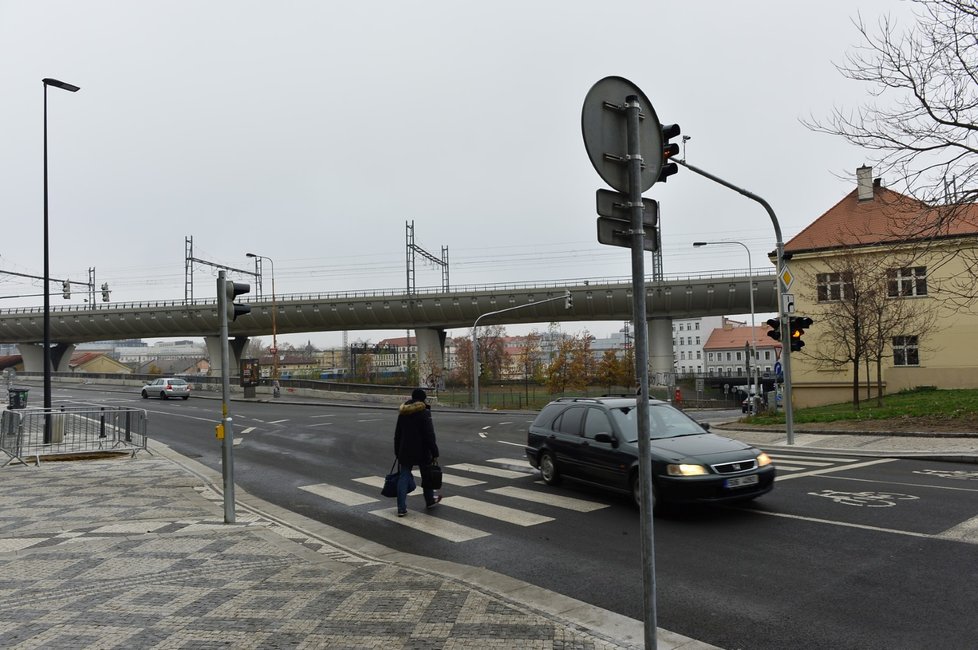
889,217
738,337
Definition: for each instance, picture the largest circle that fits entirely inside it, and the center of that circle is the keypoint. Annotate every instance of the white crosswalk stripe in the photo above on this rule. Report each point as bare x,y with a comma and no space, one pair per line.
432,525
521,463
491,471
556,500
333,493
503,513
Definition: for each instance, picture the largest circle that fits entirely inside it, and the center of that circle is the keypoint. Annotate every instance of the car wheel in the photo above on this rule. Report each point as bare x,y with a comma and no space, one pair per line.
162,395
637,494
186,397
548,468
145,395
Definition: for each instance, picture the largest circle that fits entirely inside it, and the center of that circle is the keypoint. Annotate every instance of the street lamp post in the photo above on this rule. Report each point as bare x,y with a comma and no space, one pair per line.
753,330
258,260
47,298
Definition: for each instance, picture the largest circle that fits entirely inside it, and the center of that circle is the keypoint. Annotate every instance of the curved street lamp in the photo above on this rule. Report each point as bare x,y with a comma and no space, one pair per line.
47,298
753,331
274,350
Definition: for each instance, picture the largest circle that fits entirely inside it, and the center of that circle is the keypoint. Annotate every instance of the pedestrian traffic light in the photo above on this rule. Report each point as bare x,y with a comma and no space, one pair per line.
798,325
669,149
568,300
775,331
233,290
66,289
105,292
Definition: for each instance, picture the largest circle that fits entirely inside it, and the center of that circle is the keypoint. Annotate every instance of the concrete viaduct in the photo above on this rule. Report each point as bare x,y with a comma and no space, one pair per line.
430,312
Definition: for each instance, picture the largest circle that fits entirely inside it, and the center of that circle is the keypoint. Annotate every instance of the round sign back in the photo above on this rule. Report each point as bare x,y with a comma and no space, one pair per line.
605,135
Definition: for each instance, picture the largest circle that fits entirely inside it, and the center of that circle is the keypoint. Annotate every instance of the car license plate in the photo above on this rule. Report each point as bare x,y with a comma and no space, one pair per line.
740,481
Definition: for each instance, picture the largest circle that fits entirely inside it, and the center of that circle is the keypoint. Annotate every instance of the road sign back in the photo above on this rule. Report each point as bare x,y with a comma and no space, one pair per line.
603,125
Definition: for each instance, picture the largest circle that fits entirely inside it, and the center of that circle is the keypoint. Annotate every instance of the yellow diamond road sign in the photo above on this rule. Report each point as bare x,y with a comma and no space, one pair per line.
786,277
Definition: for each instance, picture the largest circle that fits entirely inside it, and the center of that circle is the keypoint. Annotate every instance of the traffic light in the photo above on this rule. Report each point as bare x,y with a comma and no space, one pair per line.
105,292
798,326
66,289
232,291
669,149
568,300
775,331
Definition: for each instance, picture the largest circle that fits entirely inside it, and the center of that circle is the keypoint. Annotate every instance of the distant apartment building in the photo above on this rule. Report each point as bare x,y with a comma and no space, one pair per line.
727,351
689,336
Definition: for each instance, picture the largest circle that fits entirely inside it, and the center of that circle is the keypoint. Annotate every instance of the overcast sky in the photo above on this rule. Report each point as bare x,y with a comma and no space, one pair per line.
310,132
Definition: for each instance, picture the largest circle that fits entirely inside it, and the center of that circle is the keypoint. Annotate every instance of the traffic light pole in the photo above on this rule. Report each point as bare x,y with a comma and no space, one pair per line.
227,440
782,314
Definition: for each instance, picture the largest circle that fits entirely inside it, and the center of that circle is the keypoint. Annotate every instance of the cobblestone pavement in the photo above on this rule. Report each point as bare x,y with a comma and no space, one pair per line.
134,553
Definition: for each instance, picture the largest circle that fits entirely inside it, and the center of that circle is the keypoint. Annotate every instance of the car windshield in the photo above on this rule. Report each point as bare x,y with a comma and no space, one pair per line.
177,382
664,422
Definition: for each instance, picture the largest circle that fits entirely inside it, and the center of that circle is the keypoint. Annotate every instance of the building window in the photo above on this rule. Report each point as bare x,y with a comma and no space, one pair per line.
834,286
697,325
767,355
910,281
728,357
698,355
682,340
697,340
905,351
709,357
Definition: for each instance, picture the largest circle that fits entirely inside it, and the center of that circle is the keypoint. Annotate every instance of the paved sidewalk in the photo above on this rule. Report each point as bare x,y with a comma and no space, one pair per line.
133,553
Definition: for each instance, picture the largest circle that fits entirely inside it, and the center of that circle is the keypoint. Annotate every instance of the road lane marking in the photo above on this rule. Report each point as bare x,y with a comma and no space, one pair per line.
278,421
556,500
844,524
248,430
515,444
432,525
338,494
838,468
789,468
966,531
323,415
503,513
491,471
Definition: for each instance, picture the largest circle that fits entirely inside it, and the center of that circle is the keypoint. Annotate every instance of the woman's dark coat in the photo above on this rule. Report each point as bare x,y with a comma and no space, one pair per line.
414,434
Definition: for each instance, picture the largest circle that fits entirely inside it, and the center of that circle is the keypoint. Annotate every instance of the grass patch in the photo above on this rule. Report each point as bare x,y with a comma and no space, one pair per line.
922,402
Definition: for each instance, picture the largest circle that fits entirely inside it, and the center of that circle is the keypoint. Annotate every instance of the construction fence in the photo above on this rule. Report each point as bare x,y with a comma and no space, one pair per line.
33,433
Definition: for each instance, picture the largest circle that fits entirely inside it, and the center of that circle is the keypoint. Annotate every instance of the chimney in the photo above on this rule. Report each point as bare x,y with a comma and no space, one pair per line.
864,183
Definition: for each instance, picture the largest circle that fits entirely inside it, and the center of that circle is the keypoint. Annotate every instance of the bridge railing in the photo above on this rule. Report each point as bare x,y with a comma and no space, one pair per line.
73,431
382,293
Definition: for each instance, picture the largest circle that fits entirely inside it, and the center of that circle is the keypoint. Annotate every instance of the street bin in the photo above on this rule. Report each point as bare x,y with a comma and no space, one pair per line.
17,398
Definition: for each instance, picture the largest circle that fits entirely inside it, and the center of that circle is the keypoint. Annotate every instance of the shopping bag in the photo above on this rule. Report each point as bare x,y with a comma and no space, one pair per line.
390,482
431,477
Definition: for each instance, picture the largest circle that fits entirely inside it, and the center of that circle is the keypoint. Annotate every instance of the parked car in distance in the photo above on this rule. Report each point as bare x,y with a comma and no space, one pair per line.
167,387
595,441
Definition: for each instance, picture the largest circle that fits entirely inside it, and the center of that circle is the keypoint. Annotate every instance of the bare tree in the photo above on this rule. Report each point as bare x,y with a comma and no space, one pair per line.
924,80
922,125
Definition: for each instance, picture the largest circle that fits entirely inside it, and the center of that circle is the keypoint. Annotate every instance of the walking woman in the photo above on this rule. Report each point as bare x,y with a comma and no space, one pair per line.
414,444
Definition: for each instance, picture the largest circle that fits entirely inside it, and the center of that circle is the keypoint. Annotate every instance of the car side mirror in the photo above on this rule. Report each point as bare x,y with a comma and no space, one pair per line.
705,425
605,437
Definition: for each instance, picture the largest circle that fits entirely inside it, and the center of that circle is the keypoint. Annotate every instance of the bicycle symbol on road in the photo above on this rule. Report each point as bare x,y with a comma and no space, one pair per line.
958,473
868,499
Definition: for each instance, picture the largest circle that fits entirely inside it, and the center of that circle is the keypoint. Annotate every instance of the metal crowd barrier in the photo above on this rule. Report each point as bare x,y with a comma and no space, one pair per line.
73,431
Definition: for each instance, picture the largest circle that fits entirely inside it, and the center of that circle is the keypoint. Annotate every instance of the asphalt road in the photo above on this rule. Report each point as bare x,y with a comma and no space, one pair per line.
845,552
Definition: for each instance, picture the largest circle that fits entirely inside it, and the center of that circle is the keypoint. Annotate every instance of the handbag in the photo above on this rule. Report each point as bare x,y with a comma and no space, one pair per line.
390,482
431,476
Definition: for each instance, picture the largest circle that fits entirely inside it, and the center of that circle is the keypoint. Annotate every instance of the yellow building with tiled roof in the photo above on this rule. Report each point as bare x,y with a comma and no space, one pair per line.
913,252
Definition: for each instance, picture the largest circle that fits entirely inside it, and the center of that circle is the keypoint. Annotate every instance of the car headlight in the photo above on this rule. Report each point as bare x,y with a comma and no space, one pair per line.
763,459
685,469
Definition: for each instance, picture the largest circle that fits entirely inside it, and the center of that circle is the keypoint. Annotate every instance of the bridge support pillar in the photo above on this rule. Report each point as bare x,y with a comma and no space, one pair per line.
235,347
661,356
33,356
431,357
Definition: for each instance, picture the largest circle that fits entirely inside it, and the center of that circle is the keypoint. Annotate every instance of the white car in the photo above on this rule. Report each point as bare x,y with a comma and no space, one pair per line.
167,387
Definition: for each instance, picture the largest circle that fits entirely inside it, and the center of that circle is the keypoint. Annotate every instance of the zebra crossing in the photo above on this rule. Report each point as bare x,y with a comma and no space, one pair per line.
462,475
796,465
365,491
